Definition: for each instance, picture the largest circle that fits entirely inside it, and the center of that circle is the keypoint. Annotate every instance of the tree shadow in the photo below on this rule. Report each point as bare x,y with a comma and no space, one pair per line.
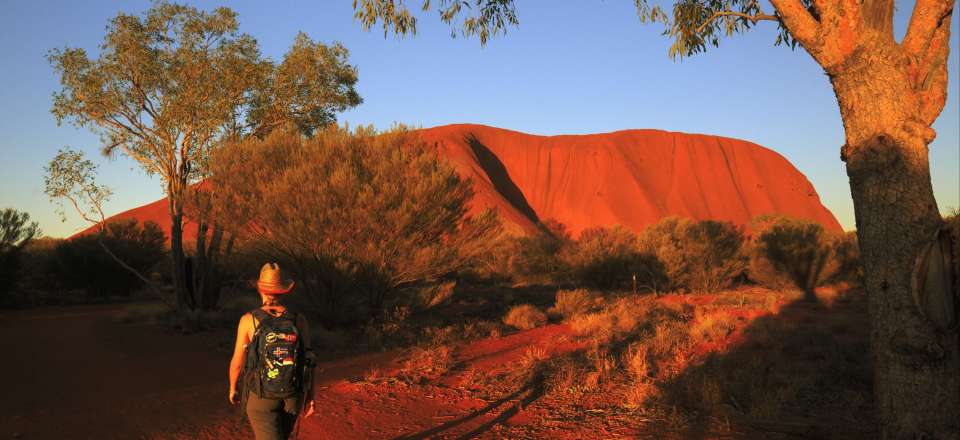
804,372
522,397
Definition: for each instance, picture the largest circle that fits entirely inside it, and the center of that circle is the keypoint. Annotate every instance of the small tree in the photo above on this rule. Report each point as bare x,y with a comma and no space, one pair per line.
173,84
16,232
356,215
70,177
798,250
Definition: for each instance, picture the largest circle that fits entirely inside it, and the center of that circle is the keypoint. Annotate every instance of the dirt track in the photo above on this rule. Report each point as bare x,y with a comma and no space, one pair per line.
73,372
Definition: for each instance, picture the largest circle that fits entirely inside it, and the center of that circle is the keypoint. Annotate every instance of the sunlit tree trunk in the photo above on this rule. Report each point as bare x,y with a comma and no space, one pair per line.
916,366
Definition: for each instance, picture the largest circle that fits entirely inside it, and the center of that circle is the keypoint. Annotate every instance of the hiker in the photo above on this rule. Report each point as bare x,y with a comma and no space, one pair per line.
274,376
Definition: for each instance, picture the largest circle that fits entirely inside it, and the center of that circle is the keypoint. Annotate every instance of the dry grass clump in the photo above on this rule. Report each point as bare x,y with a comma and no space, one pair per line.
525,317
620,317
427,363
571,303
711,325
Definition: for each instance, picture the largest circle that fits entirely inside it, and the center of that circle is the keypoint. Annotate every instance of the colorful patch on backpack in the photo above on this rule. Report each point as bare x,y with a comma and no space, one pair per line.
281,352
273,373
287,361
273,337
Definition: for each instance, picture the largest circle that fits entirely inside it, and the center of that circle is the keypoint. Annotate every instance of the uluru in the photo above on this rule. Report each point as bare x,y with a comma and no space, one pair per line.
631,178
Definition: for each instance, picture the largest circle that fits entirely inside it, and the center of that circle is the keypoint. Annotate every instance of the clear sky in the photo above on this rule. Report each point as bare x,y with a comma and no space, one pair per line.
571,67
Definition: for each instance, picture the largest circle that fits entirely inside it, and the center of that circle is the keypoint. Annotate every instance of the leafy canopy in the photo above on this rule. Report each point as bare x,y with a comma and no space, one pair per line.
169,85
692,24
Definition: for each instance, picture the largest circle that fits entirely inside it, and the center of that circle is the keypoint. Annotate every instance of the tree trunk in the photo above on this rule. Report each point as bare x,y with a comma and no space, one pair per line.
916,366
184,302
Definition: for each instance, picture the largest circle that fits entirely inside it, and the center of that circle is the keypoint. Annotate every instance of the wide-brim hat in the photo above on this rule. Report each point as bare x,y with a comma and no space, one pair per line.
272,282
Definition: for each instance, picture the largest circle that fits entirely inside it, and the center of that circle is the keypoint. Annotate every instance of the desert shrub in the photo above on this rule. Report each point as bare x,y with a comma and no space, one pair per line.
16,231
537,257
571,303
82,263
846,265
356,215
696,256
609,258
793,252
525,317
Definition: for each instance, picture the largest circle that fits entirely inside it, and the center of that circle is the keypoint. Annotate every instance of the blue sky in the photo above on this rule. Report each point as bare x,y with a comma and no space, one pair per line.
571,67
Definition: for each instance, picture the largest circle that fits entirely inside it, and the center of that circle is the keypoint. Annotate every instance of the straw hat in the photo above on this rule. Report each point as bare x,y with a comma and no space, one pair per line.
271,280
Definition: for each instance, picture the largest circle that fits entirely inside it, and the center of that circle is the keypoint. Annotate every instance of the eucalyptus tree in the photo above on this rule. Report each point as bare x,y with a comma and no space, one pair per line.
169,86
890,93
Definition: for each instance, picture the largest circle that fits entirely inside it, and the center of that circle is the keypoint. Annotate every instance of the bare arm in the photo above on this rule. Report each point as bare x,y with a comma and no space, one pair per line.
244,330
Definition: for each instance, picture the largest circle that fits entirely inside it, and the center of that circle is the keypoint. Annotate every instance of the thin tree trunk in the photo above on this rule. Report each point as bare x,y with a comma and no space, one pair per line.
184,303
916,366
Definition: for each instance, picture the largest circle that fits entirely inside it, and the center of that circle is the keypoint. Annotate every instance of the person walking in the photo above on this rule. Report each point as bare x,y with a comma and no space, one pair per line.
270,372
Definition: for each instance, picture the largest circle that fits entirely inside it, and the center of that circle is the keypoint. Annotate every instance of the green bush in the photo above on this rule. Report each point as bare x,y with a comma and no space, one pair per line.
355,216
609,258
791,252
16,232
537,257
846,265
82,263
701,256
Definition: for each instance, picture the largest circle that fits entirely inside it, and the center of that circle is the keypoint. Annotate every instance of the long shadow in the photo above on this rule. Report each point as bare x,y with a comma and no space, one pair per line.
802,373
530,392
500,178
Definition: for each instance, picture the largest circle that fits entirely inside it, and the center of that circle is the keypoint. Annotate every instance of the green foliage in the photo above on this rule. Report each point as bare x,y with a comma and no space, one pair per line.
71,177
609,258
536,257
697,256
692,24
355,215
82,263
798,250
481,18
170,84
16,232
846,265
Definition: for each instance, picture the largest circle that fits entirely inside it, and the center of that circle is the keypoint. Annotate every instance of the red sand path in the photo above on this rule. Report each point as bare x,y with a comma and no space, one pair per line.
631,178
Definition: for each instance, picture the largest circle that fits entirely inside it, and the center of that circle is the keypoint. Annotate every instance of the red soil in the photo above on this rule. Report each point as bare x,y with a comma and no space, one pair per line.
631,178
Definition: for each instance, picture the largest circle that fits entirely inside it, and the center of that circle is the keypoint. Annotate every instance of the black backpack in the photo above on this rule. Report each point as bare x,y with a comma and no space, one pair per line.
275,357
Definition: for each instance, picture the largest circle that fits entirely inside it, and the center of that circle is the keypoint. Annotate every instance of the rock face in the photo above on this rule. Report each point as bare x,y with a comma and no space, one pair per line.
631,178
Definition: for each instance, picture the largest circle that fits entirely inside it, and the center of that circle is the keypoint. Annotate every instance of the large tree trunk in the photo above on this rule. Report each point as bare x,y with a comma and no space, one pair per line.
916,366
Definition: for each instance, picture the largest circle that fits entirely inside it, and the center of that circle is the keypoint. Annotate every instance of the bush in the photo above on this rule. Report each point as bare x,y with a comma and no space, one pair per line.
82,263
571,303
608,258
525,317
696,256
15,234
790,252
537,257
356,216
846,265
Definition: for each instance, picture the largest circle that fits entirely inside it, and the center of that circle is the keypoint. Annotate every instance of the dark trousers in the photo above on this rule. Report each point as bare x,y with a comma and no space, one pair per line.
272,419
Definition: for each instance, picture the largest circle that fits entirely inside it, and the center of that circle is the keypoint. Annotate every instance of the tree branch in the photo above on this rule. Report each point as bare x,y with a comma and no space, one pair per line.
928,16
752,18
802,26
